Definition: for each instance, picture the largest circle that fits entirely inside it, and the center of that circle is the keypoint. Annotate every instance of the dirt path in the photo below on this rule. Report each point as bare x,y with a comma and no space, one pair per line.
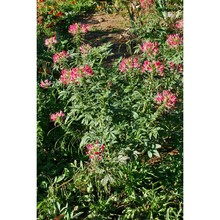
106,28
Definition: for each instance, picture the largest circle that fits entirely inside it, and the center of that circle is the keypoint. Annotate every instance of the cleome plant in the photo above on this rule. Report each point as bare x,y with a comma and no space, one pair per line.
110,137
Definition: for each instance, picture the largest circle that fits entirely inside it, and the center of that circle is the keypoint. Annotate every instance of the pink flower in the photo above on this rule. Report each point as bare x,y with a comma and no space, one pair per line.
129,63
61,114
57,57
69,76
146,3
87,69
65,77
174,40
102,147
179,24
73,75
84,28
47,42
56,116
176,67
73,29
53,117
50,41
147,66
135,63
45,84
180,68
89,146
153,66
122,66
85,48
77,28
166,97
149,48
95,151
172,65
159,67
159,98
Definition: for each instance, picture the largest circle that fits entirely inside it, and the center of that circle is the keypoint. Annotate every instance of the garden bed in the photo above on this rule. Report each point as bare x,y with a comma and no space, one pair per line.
110,110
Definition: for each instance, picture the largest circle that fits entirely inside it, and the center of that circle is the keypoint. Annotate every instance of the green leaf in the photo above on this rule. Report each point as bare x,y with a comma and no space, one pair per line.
81,164
158,146
89,188
156,153
155,134
60,178
149,154
123,159
77,215
58,205
135,115
105,180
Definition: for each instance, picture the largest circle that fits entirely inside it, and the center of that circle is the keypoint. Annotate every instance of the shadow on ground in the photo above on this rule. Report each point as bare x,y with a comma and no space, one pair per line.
105,28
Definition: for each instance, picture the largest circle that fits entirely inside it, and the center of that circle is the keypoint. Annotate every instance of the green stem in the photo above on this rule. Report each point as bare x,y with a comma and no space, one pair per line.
157,114
131,16
65,183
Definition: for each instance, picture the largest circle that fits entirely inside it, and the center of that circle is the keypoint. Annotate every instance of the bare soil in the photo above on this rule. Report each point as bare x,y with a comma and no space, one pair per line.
104,28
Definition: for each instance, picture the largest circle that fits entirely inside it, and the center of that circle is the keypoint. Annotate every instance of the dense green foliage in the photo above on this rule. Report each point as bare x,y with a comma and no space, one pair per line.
110,139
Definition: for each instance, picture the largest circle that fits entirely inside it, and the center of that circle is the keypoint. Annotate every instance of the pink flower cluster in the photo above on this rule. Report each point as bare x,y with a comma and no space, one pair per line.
85,48
95,151
87,69
174,40
149,48
58,56
153,66
166,97
55,116
129,63
146,3
178,67
45,84
179,24
50,41
73,75
77,28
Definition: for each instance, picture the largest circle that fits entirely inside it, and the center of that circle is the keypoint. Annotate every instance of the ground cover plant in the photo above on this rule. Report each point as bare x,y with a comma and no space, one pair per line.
110,110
